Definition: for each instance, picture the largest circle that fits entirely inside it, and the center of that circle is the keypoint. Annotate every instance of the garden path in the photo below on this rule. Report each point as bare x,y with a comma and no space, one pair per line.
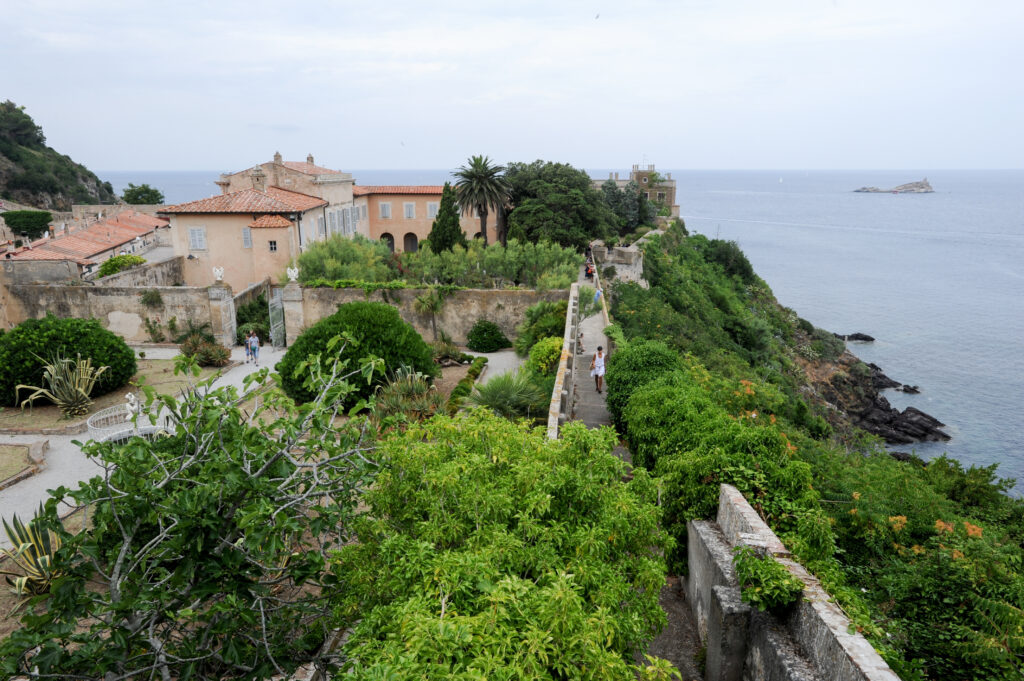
67,465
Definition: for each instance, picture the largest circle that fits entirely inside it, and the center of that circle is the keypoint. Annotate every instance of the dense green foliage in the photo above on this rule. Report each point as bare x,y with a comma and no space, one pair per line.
206,352
491,552
119,263
446,232
370,329
766,584
630,368
31,223
545,355
926,558
486,336
519,394
629,204
464,387
543,320
556,202
206,552
358,261
38,175
24,348
142,195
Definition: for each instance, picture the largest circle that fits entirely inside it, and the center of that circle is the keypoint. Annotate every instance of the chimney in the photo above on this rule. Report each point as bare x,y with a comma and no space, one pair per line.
259,180
277,157
309,159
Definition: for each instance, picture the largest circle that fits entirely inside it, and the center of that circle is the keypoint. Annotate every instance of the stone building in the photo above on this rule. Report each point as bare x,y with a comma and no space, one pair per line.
403,216
658,188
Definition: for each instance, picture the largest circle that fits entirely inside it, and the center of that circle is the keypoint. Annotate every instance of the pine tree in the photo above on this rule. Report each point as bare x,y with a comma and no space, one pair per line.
446,231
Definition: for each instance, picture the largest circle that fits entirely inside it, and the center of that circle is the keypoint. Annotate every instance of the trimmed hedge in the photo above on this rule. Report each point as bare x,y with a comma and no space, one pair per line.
632,367
464,387
25,349
376,329
486,336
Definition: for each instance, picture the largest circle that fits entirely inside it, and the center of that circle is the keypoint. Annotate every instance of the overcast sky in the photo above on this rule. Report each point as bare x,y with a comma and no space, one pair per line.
221,85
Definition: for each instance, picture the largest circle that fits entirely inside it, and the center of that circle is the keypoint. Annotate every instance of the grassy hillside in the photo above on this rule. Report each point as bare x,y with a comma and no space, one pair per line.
713,381
35,174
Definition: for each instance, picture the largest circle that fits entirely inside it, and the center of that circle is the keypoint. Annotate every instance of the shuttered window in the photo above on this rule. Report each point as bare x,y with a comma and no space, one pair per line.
246,237
197,238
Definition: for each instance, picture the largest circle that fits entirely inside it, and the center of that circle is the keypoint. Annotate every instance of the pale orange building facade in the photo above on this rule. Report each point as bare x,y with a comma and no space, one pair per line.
402,215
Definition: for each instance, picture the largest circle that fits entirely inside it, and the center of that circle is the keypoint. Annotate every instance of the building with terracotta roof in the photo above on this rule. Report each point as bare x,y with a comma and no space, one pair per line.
252,232
402,216
306,177
93,243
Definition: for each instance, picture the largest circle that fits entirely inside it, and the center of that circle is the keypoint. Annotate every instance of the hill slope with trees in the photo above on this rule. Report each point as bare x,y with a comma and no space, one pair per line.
35,174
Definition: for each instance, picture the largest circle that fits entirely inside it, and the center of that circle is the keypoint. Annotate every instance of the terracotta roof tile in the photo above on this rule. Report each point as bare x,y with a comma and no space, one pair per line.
433,189
44,254
273,200
270,222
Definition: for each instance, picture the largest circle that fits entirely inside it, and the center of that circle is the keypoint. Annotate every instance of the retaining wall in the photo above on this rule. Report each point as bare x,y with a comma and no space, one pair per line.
170,272
811,641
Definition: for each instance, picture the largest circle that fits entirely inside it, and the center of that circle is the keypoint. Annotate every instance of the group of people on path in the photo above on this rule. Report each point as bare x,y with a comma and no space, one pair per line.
252,348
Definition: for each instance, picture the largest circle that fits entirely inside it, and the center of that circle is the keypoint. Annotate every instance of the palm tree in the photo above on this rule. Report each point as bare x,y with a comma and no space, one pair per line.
479,185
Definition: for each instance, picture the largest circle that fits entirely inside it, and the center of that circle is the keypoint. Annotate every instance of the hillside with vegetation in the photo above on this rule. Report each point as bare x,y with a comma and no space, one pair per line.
34,174
713,381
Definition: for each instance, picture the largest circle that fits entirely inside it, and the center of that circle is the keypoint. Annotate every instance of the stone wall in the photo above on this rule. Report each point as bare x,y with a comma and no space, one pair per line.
460,312
562,392
168,272
118,308
811,641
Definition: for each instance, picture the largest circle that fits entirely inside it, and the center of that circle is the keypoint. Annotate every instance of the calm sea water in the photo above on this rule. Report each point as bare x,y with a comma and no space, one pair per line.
937,279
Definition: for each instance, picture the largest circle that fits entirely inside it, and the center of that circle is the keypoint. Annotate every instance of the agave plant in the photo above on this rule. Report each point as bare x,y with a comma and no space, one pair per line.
69,383
407,397
33,553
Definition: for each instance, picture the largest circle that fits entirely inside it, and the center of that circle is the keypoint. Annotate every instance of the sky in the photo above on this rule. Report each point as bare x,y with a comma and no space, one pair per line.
836,84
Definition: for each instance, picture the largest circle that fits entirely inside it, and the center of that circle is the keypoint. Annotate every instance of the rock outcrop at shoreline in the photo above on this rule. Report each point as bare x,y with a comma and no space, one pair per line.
857,393
922,187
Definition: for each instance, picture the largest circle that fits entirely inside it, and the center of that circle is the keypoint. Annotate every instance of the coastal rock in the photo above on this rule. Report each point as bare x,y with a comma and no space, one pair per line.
910,425
879,381
862,337
909,389
922,187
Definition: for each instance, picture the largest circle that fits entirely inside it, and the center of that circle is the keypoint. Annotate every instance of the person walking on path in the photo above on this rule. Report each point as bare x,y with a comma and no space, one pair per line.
248,350
254,347
597,367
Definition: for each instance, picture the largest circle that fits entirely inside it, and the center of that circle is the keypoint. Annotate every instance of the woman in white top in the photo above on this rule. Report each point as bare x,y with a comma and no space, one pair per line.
597,367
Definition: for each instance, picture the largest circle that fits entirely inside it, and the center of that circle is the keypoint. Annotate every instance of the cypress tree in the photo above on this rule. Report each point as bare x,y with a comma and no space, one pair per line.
446,231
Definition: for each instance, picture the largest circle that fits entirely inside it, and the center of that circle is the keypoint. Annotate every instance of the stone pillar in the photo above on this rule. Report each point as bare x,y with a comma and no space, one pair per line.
294,317
728,618
222,313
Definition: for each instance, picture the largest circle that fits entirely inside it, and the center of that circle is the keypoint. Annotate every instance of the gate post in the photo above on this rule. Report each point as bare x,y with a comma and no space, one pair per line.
222,313
294,319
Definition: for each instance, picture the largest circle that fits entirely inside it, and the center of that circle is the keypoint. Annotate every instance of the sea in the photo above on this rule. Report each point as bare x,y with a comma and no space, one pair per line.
937,279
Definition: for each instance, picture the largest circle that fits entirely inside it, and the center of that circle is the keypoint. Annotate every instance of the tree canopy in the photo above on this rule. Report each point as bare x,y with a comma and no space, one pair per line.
31,223
446,232
480,184
142,195
557,203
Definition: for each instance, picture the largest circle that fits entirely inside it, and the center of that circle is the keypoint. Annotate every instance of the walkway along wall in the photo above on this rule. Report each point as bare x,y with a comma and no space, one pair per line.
562,393
811,642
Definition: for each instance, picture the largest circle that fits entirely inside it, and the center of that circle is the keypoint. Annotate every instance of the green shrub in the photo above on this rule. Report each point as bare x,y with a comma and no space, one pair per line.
207,353
541,321
119,263
30,222
405,398
486,336
375,329
156,333
22,347
151,298
632,367
545,355
464,387
255,311
766,584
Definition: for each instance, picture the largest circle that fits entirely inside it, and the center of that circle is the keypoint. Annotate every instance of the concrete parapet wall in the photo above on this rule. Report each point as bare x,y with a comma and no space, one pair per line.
562,393
811,641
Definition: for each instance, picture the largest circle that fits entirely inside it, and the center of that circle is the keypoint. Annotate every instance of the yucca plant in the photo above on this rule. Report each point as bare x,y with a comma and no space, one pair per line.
68,384
34,549
513,394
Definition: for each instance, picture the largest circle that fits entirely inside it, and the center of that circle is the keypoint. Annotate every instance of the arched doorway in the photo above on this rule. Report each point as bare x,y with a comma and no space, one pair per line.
410,243
389,240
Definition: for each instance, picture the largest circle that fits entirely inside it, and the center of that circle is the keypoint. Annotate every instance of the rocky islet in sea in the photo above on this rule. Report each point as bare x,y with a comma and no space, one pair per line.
922,187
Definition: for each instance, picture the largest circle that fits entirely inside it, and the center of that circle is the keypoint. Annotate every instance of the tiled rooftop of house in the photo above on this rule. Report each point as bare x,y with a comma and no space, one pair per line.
91,240
434,189
273,200
270,222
